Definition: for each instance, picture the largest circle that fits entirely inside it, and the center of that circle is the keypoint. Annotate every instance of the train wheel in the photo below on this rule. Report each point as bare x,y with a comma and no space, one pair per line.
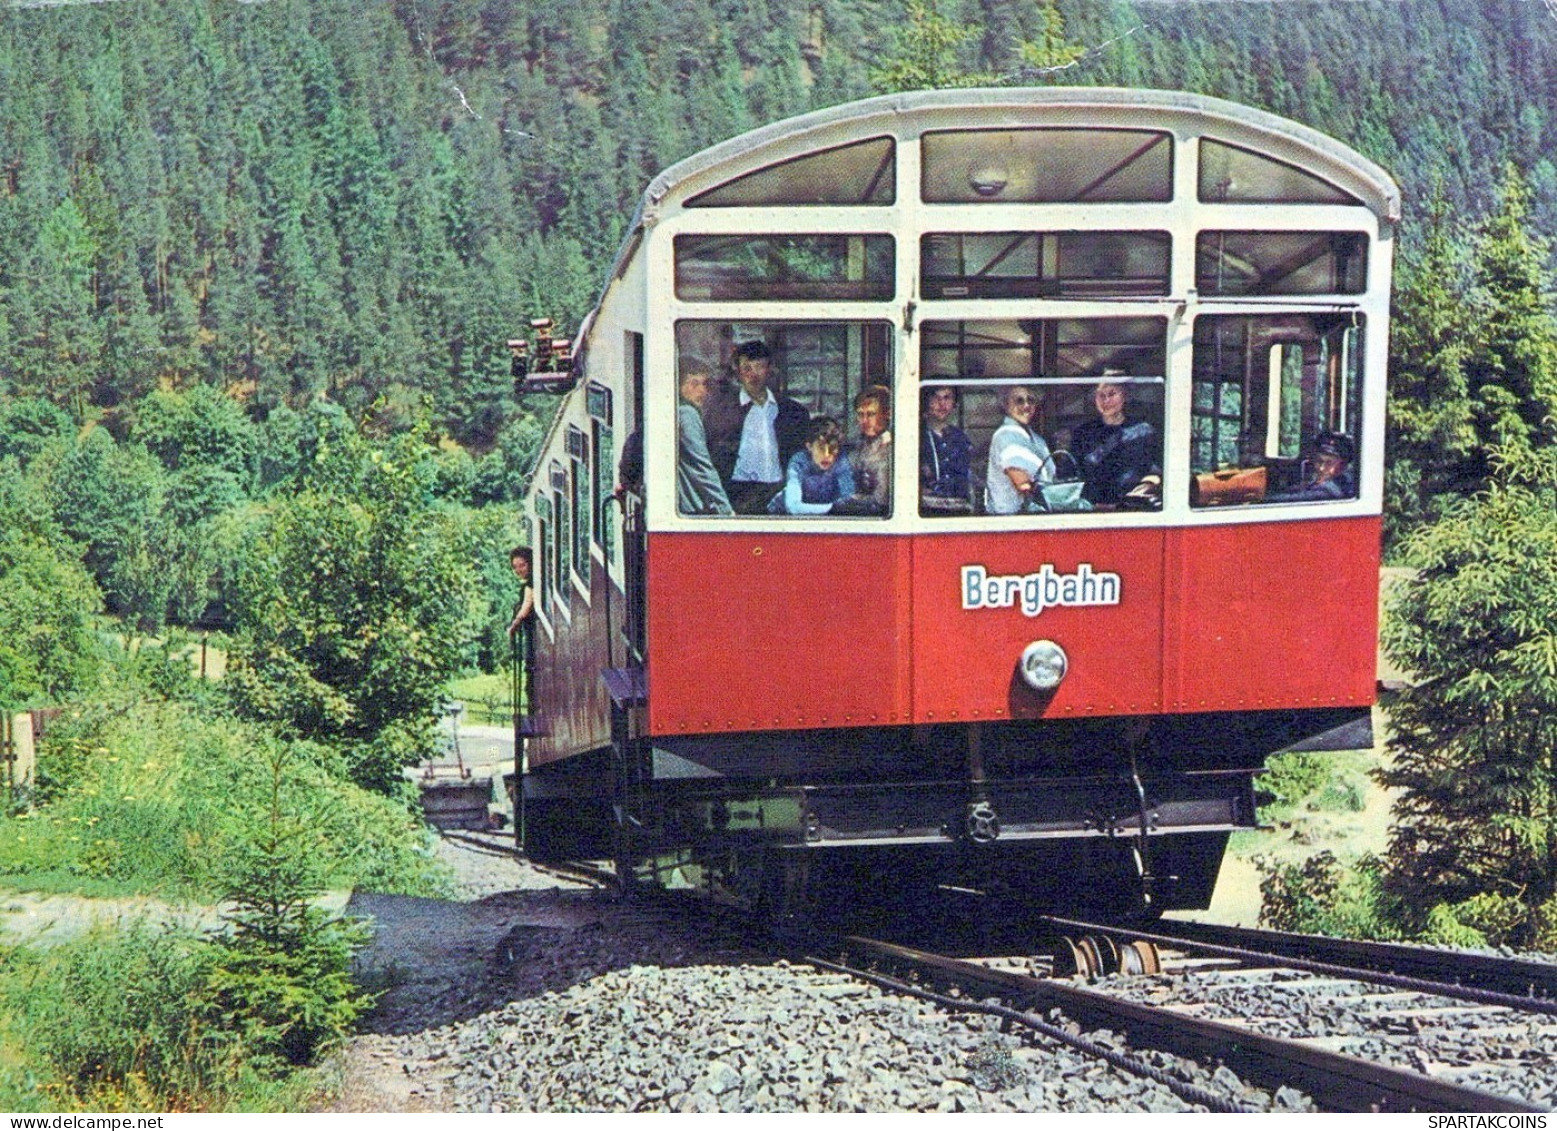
1107,954
1139,957
1069,959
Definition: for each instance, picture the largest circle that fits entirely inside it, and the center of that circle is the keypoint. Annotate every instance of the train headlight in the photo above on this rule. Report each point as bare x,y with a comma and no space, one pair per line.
1043,665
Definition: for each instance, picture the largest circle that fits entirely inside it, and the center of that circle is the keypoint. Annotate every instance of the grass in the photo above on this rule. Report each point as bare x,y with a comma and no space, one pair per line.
488,698
152,798
122,1020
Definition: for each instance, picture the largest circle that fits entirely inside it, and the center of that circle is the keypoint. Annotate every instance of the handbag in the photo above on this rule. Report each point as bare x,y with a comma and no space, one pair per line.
1063,494
1228,487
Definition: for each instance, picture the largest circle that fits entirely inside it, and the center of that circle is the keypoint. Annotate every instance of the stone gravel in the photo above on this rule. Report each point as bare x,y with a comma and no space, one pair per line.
534,994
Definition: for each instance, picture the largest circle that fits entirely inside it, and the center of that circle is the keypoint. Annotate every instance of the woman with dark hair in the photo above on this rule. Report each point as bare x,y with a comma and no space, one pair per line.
1114,453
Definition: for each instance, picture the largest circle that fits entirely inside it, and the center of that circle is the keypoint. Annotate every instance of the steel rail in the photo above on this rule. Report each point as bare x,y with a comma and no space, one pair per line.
1516,976
1294,961
1336,1081
1190,1092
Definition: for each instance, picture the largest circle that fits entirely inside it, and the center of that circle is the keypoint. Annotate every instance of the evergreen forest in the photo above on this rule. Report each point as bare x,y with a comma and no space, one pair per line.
259,260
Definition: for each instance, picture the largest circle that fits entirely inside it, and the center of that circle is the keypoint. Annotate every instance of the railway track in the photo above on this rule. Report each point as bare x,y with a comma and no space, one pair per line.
1335,1080
1533,983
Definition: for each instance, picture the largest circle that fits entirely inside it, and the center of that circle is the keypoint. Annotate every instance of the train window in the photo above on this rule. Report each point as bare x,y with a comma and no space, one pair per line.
604,532
582,524
860,173
825,445
777,267
1228,173
543,564
1281,263
1049,416
1276,408
563,541
1044,264
1047,166
1020,349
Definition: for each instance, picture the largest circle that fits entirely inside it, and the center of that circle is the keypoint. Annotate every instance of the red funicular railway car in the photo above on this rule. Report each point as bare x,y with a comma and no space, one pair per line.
1106,370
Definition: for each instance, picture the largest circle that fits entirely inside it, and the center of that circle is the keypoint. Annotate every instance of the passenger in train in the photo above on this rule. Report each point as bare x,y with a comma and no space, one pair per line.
521,561
698,487
521,629
752,431
872,458
819,476
944,451
1331,475
1114,453
1019,461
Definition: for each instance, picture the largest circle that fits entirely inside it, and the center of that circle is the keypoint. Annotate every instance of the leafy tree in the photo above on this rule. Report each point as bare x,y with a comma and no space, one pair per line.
111,498
28,425
354,609
49,651
199,428
1474,739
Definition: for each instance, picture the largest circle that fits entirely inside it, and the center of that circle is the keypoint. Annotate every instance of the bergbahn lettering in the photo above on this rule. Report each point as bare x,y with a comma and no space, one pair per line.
1040,590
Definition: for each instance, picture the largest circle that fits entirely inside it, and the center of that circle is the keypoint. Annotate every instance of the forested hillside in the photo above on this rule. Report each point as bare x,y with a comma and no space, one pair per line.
346,198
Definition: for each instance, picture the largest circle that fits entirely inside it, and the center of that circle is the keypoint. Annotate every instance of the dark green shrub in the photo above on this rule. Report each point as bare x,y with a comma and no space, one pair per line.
1326,896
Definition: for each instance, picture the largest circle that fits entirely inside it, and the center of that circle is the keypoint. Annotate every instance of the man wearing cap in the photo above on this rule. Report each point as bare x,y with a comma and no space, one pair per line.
1331,474
753,432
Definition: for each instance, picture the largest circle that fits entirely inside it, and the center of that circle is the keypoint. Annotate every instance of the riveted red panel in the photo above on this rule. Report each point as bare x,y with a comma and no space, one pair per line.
795,632
1277,614
777,631
980,599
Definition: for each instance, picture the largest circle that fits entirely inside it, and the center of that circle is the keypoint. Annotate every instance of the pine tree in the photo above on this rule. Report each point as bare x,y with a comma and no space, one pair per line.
1474,738
1512,370
1431,440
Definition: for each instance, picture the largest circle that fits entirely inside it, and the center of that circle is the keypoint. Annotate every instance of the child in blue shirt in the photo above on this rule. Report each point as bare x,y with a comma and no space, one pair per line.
818,474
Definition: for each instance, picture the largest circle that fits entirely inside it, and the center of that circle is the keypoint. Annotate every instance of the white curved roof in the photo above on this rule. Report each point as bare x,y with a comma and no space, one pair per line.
1014,107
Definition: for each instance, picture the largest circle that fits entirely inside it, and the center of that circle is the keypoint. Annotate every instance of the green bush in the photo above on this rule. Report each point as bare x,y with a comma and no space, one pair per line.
1340,794
153,798
1324,895
1289,778
120,1019
1482,920
169,1020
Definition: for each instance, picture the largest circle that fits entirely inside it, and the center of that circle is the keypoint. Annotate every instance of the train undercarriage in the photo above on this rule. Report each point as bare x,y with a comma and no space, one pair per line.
1114,818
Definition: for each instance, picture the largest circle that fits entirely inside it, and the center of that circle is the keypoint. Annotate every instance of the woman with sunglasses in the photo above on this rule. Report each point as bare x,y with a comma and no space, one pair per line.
1018,458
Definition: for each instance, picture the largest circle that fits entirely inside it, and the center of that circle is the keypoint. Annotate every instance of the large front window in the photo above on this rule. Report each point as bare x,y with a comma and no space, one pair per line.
1041,416
783,418
1276,408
